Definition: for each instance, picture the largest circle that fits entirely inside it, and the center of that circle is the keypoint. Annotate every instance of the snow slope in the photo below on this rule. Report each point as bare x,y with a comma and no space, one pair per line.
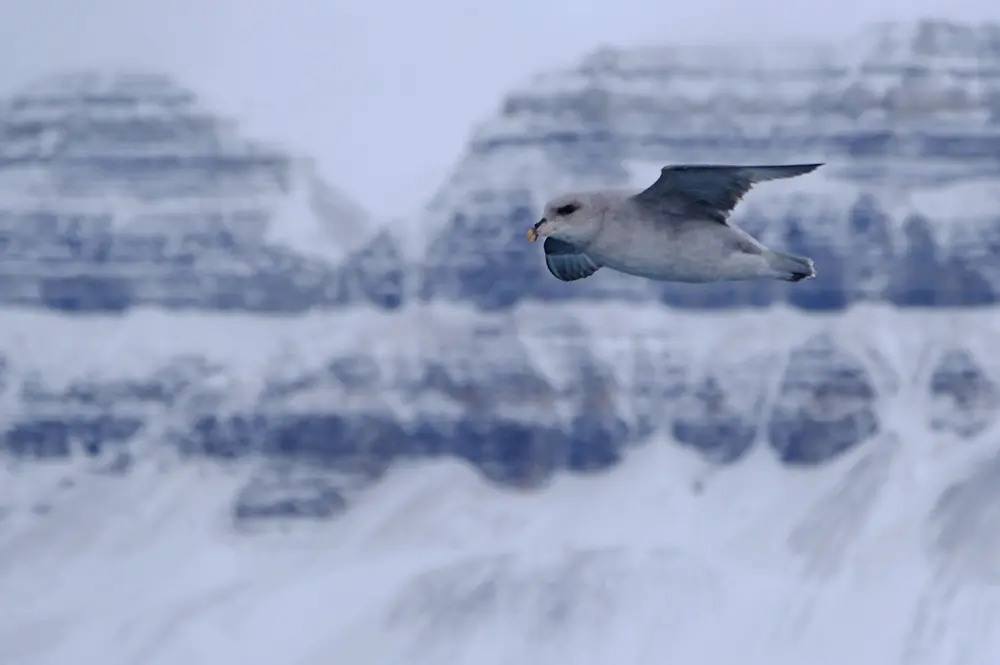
887,556
869,545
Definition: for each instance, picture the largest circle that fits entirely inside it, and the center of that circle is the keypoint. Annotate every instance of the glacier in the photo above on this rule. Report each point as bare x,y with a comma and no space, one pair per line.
243,421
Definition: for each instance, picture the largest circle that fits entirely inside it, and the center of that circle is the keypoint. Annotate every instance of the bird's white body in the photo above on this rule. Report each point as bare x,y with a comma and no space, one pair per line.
688,251
675,230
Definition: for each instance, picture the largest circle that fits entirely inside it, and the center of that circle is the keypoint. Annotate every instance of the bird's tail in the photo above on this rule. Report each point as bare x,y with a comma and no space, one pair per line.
790,268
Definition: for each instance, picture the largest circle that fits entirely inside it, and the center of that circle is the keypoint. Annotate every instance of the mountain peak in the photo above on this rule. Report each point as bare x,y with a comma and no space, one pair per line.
112,174
905,115
100,83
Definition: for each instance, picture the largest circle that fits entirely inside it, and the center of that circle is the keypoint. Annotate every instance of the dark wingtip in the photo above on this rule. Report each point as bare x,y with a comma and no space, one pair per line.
793,170
775,171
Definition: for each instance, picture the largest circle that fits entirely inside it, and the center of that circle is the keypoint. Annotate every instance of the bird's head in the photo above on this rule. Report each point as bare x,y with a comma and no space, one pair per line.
574,218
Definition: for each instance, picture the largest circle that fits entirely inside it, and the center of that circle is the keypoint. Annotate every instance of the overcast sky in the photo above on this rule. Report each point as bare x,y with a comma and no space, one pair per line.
383,92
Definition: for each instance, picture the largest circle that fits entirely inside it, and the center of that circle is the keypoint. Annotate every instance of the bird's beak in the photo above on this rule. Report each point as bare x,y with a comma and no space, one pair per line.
533,231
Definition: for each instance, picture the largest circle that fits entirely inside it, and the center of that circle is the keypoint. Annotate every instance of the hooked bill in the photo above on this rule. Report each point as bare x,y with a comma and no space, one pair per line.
532,235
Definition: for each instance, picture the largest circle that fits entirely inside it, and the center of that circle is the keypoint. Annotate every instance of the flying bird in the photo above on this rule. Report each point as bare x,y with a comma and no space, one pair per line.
676,230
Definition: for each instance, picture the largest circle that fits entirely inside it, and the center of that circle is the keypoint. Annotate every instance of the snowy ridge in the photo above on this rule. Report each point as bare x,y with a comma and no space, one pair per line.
522,396
121,189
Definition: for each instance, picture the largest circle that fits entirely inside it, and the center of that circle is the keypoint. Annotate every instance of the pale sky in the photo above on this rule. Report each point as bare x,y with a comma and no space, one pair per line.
383,93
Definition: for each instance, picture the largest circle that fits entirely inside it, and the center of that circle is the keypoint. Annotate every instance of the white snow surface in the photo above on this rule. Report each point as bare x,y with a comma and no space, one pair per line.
318,220
889,555
764,566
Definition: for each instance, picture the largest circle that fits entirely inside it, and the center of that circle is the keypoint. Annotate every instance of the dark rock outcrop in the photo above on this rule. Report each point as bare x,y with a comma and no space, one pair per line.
826,405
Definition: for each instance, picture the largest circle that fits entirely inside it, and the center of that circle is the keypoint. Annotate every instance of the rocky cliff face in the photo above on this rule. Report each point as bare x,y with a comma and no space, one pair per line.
121,190
323,409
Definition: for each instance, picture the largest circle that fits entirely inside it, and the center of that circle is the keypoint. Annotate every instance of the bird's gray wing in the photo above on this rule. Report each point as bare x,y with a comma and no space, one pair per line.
711,191
566,262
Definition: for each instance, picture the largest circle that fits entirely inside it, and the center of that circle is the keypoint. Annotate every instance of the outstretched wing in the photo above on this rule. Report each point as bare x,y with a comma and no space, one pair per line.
711,191
566,262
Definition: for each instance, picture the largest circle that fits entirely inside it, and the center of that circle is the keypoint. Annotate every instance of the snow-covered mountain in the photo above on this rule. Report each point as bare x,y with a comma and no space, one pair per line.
121,189
810,488
907,118
411,445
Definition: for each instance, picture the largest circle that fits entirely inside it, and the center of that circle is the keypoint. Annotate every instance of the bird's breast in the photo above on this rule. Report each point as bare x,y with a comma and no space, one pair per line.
683,251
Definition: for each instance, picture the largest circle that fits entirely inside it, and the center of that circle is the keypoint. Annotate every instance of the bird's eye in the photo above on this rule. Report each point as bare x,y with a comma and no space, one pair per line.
567,209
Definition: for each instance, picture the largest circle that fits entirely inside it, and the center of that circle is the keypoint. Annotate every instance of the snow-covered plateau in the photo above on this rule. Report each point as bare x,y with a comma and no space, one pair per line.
241,422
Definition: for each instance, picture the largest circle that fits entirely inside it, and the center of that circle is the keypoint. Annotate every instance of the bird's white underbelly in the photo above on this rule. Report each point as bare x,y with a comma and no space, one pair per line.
697,254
